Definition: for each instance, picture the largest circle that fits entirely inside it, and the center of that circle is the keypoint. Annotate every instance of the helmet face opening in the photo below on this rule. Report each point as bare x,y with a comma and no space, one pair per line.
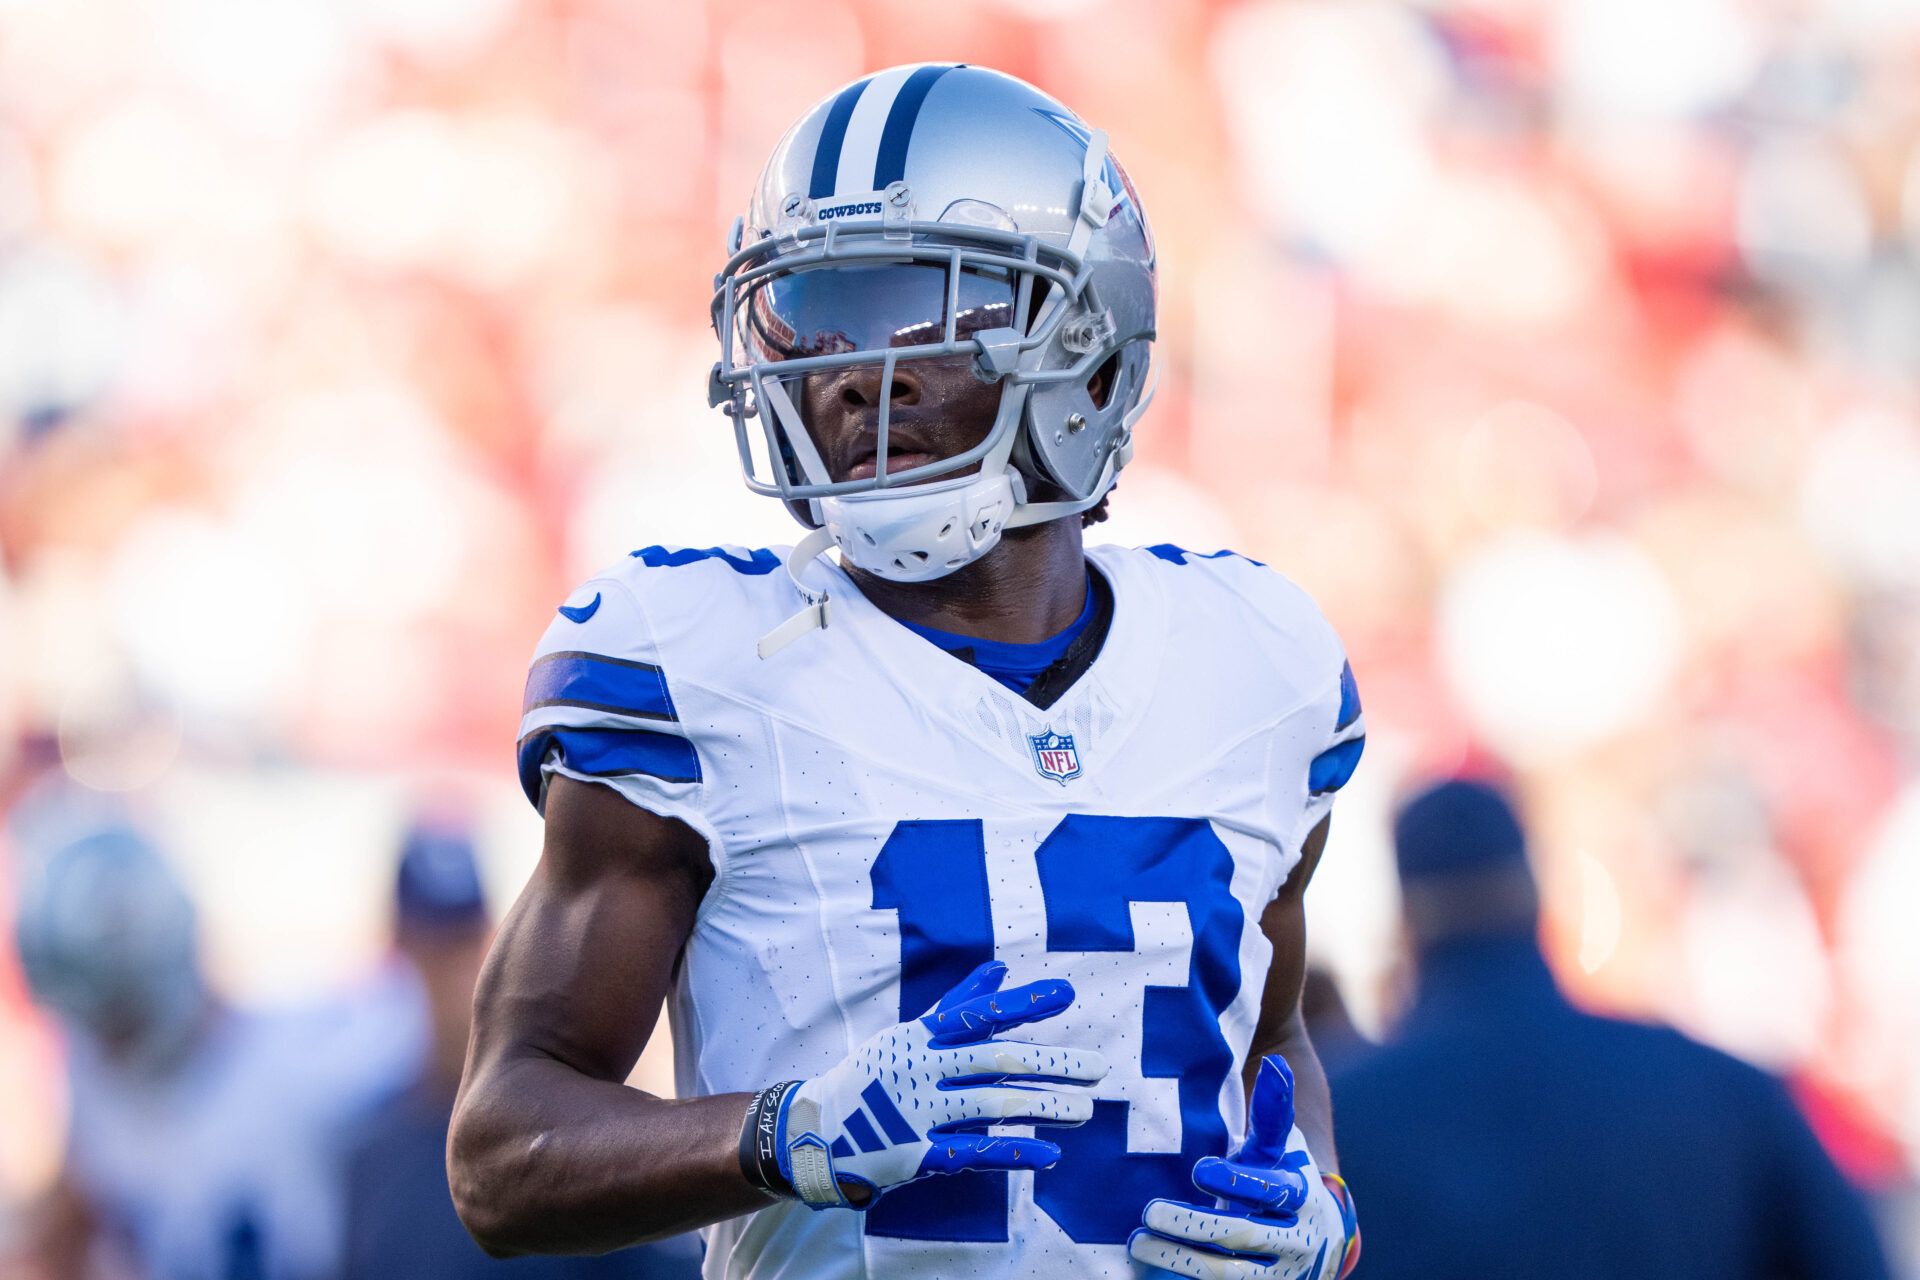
865,293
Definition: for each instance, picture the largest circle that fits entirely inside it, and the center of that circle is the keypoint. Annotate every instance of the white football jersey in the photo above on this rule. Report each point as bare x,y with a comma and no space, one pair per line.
232,1163
882,817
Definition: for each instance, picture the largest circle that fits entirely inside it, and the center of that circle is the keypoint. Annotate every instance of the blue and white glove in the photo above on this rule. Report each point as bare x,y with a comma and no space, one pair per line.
915,1100
1276,1217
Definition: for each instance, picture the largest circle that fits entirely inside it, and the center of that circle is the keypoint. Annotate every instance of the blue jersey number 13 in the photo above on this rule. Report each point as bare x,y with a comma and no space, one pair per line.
934,873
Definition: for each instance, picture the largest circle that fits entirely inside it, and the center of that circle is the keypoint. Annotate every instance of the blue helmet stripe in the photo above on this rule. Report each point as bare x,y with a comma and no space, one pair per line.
890,165
826,157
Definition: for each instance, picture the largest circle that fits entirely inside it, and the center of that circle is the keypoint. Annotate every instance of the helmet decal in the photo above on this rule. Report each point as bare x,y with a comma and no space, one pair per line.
867,130
890,164
833,135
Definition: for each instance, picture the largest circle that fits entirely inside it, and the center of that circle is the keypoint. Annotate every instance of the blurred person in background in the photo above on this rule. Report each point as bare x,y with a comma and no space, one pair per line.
203,1140
1323,1007
400,1215
1617,1149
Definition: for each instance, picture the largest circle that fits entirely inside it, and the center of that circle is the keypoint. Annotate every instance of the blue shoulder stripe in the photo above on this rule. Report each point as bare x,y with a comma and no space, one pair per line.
1179,555
595,681
1332,767
1349,698
757,562
608,753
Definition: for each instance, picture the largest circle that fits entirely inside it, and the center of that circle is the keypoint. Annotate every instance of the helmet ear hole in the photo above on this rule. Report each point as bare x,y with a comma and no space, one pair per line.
1100,385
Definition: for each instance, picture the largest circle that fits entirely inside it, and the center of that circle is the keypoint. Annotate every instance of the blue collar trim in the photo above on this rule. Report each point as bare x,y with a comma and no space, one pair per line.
1014,665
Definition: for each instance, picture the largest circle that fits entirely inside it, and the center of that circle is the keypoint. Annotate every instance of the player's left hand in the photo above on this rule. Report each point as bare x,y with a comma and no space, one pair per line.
1276,1216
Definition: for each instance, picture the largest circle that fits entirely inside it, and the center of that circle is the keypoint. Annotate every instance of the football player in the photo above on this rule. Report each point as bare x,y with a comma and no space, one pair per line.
203,1140
825,805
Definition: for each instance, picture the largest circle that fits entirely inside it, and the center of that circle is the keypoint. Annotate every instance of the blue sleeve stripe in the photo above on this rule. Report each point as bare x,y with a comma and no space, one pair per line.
608,753
1332,767
599,683
1349,698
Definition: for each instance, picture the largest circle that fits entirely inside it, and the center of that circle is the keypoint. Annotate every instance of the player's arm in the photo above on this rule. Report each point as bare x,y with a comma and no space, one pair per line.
550,1151
1281,1028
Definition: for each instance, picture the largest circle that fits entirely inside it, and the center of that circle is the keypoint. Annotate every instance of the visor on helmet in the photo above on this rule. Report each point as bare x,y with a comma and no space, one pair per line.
861,307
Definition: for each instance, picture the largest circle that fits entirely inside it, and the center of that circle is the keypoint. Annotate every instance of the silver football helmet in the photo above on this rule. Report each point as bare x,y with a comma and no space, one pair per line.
938,213
107,939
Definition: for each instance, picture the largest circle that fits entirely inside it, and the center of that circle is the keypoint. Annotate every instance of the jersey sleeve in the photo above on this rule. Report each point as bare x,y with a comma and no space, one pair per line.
1319,732
599,707
1340,745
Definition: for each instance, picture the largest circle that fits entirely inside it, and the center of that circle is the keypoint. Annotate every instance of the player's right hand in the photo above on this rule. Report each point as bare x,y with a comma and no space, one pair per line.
1276,1216
915,1100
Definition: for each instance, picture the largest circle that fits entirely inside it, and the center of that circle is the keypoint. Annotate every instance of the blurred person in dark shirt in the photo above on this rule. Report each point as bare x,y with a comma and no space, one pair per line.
1502,1133
1323,1007
202,1139
400,1215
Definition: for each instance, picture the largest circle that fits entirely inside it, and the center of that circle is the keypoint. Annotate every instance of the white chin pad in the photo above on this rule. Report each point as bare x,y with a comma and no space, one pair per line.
921,532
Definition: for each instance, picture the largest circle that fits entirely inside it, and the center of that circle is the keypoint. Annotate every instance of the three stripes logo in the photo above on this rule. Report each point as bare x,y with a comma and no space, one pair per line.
861,1129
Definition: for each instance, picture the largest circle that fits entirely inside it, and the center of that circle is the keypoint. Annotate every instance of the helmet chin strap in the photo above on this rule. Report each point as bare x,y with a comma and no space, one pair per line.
815,613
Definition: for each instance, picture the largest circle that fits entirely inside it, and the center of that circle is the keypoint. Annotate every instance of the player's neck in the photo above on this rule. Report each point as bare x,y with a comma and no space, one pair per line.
1029,588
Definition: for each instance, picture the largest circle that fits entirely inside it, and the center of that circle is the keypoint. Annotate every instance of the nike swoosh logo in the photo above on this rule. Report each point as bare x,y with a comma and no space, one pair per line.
580,613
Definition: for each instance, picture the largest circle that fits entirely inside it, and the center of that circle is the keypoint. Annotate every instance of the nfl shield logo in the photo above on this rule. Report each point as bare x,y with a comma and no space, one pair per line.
1054,756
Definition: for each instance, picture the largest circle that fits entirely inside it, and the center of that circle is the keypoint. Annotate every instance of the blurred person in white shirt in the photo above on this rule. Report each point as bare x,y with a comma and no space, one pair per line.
203,1142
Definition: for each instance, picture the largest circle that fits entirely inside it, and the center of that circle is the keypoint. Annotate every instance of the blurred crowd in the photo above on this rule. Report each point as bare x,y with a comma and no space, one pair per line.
1568,351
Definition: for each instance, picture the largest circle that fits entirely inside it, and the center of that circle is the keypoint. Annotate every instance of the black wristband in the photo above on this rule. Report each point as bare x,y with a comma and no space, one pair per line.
759,1155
